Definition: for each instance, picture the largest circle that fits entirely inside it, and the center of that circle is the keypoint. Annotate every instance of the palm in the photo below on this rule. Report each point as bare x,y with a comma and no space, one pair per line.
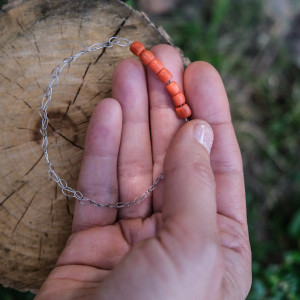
131,162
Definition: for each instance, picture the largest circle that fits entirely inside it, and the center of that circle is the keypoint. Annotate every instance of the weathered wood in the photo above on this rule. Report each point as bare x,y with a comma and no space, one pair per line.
35,218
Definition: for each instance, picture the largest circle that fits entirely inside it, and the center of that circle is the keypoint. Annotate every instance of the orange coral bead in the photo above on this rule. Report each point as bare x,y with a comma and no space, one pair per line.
146,57
156,65
178,99
137,48
173,88
164,75
183,111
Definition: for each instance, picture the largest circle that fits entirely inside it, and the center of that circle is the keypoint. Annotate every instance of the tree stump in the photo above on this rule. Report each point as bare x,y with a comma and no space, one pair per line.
36,35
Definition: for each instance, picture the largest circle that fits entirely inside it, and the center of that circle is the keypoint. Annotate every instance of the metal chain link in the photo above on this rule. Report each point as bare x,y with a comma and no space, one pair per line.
53,81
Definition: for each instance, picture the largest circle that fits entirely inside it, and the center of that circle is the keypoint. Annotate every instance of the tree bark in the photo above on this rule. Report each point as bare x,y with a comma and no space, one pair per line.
35,218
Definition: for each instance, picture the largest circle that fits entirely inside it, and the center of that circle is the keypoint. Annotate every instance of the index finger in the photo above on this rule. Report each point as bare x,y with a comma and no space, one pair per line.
208,100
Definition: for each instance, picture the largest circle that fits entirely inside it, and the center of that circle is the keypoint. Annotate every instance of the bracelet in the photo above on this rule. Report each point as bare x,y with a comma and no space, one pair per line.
182,109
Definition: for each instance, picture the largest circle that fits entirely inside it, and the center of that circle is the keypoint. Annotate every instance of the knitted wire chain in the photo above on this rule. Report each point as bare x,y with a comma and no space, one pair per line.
53,81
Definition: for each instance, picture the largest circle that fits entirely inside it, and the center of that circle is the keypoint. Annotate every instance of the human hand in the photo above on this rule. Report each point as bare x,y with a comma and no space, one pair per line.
190,239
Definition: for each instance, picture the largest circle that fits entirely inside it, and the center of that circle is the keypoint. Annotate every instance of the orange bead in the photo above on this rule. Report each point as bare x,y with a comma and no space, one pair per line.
137,48
146,57
156,65
164,75
183,111
178,99
173,88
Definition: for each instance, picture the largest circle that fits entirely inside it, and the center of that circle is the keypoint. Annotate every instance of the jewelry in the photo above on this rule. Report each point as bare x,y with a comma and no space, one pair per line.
183,111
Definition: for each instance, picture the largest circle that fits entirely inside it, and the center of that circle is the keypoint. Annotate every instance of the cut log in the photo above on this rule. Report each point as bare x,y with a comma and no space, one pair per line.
36,35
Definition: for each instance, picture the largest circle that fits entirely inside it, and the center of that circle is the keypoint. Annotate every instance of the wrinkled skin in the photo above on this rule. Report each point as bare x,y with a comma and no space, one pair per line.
190,239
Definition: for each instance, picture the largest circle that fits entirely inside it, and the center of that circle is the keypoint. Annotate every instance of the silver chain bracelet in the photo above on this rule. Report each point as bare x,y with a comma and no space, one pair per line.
53,82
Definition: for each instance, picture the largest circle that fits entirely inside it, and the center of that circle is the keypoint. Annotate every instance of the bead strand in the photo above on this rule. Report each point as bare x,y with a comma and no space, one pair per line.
43,112
183,111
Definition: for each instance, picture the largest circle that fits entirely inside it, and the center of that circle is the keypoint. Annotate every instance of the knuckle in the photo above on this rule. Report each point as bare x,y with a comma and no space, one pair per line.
235,237
135,167
204,173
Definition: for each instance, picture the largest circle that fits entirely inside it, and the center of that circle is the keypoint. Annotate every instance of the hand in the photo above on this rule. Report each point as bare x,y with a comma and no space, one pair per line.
190,239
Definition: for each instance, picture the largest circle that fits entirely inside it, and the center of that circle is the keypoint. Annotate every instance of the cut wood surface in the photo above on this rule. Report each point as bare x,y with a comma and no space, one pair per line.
35,36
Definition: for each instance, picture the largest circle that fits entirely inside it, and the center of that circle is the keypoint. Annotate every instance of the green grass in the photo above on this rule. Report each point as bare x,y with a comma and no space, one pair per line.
11,294
2,2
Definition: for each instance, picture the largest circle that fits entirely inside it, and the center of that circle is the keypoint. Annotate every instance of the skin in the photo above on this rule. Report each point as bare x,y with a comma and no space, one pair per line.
190,239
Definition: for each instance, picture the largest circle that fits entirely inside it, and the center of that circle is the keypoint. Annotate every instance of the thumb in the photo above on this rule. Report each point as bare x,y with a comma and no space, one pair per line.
189,201
189,233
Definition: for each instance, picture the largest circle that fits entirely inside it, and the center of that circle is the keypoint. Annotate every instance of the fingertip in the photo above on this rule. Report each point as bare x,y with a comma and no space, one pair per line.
106,122
130,89
163,49
127,63
186,142
206,93
126,75
107,111
110,106
203,133
202,77
203,66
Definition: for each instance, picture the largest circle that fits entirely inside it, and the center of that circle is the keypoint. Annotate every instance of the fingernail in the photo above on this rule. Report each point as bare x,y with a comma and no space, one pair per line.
204,135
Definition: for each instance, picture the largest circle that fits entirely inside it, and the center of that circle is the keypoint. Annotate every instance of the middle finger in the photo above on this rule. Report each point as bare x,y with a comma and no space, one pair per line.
135,158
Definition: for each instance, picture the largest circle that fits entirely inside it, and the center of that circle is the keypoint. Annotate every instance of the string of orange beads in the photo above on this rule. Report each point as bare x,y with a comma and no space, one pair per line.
183,111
